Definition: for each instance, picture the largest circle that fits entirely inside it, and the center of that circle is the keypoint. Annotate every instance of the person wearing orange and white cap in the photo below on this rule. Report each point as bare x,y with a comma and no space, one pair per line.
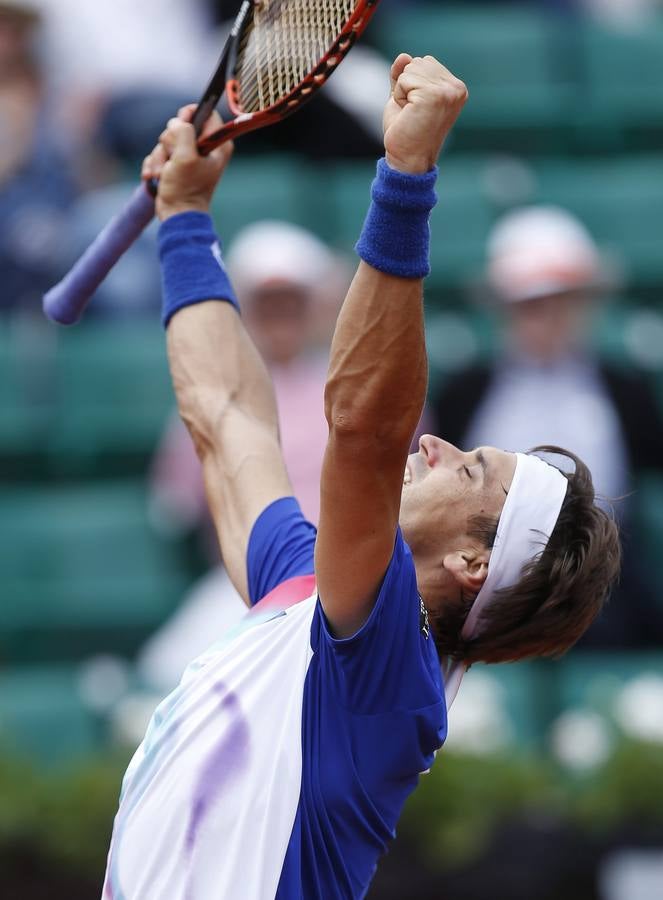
546,384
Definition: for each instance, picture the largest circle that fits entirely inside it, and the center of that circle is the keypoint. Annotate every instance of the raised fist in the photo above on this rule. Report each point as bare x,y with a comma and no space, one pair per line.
425,101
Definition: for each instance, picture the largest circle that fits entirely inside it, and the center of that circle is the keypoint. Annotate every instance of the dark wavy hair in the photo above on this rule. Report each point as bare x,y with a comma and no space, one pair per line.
560,592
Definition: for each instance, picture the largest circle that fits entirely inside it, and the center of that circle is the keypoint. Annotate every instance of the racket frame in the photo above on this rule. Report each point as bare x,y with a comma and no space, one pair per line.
217,84
291,102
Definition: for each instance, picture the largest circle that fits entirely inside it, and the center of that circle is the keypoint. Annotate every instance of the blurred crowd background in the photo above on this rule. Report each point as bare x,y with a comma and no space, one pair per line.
545,325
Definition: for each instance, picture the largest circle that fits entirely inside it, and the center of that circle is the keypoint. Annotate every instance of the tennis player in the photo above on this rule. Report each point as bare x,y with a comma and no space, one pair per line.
280,765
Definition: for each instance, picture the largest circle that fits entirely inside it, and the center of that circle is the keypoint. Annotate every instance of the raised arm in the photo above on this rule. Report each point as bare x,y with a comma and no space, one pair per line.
378,371
224,393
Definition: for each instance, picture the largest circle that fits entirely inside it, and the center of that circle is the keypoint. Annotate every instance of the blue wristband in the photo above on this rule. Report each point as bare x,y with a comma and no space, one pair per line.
192,269
396,235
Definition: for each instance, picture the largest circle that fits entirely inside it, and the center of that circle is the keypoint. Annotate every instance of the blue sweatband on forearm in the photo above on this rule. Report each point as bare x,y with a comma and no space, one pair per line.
192,269
396,235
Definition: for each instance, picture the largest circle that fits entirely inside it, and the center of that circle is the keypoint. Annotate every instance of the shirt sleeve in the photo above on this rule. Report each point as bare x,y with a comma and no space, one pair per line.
281,546
391,663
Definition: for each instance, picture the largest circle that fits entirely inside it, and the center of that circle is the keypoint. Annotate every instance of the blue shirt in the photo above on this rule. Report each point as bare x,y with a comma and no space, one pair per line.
303,748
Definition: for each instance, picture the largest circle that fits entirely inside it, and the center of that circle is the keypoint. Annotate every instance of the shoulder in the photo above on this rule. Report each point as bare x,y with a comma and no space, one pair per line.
391,662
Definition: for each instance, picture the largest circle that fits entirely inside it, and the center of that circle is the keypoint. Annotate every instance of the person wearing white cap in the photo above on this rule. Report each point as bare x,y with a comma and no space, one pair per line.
280,766
546,385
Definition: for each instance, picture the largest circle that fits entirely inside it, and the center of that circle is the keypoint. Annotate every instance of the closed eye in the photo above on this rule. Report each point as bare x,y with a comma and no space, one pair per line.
467,472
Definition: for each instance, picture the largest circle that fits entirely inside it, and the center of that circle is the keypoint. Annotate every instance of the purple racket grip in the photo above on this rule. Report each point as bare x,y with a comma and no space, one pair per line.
66,302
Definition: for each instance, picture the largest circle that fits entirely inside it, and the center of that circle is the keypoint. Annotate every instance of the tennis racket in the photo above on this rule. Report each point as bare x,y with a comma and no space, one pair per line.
277,55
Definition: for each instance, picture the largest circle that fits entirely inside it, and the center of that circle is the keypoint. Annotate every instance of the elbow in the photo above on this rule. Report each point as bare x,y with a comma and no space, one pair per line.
203,412
361,427
346,412
363,412
352,432
344,419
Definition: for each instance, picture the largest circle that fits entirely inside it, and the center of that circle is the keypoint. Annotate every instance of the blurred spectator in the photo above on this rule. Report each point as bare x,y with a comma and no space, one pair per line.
123,45
548,387
36,185
16,35
121,69
282,275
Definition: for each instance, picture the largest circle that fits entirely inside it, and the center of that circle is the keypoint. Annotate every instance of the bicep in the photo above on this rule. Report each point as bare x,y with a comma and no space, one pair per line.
359,506
244,473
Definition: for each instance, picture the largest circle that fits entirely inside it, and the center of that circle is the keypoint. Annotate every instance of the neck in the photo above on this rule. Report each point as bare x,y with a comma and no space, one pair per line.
435,585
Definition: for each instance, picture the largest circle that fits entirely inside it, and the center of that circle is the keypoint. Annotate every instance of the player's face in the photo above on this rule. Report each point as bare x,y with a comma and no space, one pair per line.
443,487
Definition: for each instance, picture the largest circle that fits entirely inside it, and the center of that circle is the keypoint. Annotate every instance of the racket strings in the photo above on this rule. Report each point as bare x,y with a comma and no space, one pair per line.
287,40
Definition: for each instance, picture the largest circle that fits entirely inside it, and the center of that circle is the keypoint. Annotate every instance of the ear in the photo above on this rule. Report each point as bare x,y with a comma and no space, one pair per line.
469,568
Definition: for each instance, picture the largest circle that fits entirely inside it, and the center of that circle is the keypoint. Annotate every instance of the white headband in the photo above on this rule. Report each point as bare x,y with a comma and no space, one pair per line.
528,518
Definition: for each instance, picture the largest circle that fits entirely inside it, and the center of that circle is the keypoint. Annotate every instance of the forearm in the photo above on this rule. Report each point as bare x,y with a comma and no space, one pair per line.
217,373
214,365
225,397
224,394
374,396
378,370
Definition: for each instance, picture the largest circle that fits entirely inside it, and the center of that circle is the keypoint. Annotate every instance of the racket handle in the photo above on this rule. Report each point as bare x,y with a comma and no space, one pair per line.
66,302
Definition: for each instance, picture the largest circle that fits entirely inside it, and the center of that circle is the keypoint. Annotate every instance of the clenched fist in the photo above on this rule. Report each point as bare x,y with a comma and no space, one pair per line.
426,99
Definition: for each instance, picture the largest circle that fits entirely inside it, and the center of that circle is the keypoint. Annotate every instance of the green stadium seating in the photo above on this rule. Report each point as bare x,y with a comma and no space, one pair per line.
521,95
87,401
113,395
42,715
592,680
648,503
262,187
25,397
460,225
534,693
82,571
631,336
347,196
524,688
624,83
621,202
